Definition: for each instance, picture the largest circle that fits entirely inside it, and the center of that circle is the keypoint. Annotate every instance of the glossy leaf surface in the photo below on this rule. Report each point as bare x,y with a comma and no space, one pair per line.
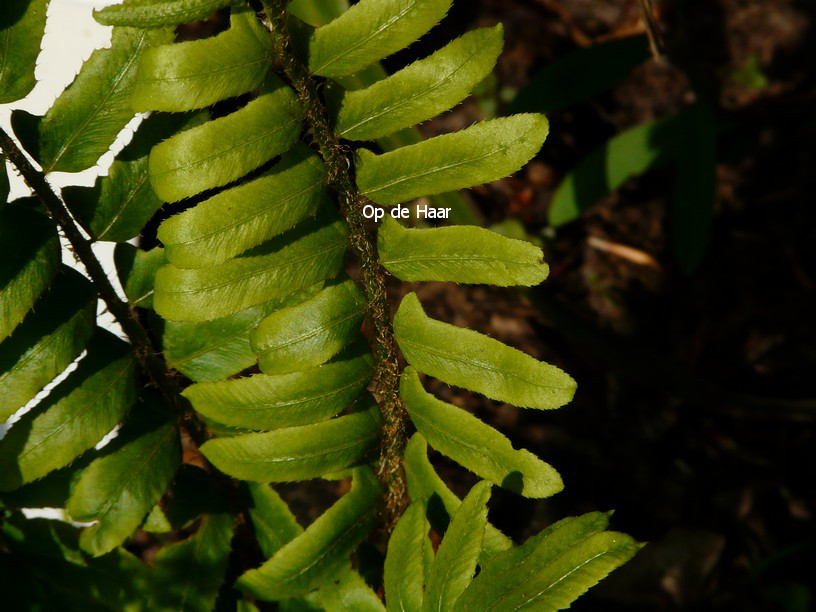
22,24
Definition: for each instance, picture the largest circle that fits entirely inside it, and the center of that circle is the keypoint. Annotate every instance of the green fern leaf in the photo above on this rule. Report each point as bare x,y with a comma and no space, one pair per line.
455,562
86,118
310,253
187,575
311,333
76,415
118,489
154,14
48,340
322,549
21,29
478,447
424,484
458,254
119,205
369,31
485,152
298,453
271,402
237,219
473,361
404,575
227,148
275,526
29,259
422,90
192,75
551,569
274,523
137,271
214,350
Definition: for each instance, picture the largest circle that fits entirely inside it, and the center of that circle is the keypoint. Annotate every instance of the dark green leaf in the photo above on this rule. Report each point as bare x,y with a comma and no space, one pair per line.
22,24
48,340
29,259
118,489
474,361
581,75
75,416
120,204
137,272
187,575
628,154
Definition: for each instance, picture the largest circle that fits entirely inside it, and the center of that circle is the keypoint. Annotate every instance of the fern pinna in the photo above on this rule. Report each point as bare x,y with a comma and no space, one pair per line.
266,202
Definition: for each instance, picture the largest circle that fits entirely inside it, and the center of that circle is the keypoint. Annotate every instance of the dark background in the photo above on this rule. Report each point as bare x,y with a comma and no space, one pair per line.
694,413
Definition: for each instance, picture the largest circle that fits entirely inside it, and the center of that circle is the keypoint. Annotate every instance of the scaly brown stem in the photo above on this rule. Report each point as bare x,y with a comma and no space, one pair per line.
150,360
338,160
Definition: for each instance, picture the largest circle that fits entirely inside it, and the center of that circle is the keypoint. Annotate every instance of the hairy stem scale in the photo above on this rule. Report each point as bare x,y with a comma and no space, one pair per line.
338,160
